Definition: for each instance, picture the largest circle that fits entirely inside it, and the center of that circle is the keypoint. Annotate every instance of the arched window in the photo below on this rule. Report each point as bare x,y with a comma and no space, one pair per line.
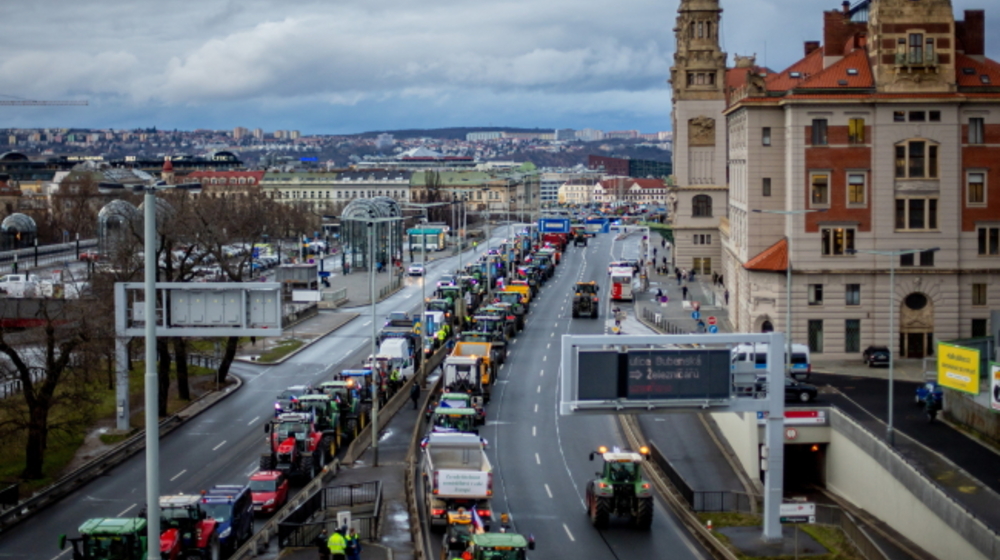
701,206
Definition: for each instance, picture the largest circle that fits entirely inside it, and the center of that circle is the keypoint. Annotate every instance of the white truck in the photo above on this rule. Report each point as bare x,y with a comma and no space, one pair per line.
24,285
468,374
456,474
399,353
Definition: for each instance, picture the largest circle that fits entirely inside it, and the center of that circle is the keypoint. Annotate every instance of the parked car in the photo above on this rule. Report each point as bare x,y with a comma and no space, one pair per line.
876,355
795,391
416,269
269,489
929,388
92,256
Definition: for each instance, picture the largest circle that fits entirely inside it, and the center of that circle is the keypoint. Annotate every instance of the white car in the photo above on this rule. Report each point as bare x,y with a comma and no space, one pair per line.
416,269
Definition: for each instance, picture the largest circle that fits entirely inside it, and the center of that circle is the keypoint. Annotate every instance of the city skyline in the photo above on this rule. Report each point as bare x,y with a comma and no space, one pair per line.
357,67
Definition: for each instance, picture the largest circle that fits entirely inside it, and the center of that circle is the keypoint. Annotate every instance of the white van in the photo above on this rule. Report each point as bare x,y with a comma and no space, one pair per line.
397,351
752,359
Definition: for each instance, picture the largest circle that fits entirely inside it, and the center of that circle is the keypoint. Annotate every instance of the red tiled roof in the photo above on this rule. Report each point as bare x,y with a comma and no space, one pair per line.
836,75
806,67
988,68
772,259
649,183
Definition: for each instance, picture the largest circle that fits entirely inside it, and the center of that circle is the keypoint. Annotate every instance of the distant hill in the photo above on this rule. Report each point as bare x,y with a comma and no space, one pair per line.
456,133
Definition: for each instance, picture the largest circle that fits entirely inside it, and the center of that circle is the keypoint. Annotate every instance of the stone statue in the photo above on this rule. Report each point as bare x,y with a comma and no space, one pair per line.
701,131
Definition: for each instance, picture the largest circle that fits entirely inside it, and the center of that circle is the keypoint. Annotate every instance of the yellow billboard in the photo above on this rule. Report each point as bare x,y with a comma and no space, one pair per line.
958,368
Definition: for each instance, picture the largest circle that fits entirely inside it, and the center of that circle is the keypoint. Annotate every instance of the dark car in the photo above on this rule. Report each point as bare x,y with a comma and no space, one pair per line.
876,355
795,391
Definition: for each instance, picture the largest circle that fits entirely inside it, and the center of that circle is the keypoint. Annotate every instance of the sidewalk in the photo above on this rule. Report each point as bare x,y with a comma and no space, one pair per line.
676,314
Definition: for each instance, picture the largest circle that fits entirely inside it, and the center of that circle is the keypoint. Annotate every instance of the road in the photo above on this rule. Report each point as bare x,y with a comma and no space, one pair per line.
541,458
220,446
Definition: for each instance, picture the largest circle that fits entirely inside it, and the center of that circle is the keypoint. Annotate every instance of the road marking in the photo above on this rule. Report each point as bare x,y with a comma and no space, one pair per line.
537,460
536,407
545,358
216,448
542,373
568,534
250,423
533,431
557,323
547,346
553,334
547,491
61,554
126,510
366,323
178,475
539,389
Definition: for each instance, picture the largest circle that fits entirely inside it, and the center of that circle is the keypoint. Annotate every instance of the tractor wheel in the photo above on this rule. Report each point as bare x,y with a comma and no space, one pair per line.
594,314
575,314
600,512
267,462
329,448
644,513
213,551
308,467
339,438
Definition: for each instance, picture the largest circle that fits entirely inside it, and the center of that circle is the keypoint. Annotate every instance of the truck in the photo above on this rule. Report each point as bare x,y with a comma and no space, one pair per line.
478,348
24,286
231,505
585,300
456,474
399,355
468,374
498,345
104,538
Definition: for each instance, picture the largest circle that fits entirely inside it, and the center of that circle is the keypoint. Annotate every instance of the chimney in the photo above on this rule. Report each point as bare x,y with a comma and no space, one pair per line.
973,32
847,8
811,46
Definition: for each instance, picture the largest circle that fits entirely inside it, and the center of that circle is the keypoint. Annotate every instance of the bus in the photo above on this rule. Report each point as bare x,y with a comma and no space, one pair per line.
621,283
750,359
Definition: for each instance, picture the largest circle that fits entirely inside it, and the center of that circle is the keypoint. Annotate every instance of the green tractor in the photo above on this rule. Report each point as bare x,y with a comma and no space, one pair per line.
109,538
326,411
500,546
585,300
621,490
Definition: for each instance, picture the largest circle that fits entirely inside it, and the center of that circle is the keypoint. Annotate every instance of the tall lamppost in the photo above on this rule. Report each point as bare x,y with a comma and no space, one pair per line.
151,381
788,280
423,218
889,432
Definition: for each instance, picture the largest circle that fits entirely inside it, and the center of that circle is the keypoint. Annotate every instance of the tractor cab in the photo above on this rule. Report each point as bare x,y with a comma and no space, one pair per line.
447,419
323,408
343,393
184,525
109,538
500,546
620,489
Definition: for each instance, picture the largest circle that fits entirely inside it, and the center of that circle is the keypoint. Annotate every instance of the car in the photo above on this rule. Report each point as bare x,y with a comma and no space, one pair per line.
795,391
416,269
876,355
285,399
929,388
269,489
90,256
447,280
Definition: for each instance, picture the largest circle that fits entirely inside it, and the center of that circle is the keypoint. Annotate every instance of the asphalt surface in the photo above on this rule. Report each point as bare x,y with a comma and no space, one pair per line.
541,458
220,446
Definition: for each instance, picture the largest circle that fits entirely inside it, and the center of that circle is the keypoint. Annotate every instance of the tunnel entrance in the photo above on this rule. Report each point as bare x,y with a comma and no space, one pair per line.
805,466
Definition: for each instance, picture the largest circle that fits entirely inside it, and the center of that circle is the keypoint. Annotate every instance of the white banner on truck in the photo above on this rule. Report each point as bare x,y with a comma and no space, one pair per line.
462,484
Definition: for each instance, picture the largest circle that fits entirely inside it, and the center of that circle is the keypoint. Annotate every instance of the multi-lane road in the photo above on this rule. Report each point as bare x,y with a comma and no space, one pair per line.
541,459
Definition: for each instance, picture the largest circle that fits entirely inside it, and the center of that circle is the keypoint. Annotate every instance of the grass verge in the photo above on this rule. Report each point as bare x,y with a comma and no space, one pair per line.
832,538
283,348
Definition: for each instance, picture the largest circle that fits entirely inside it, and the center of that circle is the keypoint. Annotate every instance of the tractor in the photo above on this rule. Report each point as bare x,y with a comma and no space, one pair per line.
107,538
326,411
620,490
580,240
296,447
187,530
585,300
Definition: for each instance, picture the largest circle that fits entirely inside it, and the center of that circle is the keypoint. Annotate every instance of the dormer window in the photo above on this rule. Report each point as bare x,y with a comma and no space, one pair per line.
795,74
852,71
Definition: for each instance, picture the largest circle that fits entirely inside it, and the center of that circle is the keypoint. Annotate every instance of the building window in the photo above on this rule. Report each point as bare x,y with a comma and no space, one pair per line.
703,265
816,336
980,328
934,116
837,241
910,259
916,213
916,48
815,294
976,130
856,189
899,116
989,241
702,239
856,131
766,189
975,188
852,294
979,294
918,116
701,206
820,189
916,159
819,137
852,336
765,136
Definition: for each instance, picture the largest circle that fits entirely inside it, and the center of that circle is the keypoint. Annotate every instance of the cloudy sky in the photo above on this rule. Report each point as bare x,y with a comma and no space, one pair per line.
344,66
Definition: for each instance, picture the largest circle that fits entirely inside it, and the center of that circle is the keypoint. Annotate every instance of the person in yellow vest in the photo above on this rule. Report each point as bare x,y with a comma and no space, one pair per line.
337,545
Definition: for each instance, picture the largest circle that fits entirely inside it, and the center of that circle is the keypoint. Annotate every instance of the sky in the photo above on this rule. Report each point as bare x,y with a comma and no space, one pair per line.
349,66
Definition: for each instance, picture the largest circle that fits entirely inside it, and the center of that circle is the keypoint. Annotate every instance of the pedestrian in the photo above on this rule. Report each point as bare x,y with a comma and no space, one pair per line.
659,294
320,542
715,278
677,272
337,545
726,296
654,253
353,545
684,292
663,243
415,393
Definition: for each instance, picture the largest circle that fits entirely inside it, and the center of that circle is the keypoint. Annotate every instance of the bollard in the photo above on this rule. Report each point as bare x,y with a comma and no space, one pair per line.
709,525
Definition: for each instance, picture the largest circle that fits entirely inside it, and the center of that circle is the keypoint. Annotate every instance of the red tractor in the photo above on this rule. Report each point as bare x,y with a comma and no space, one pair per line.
187,531
296,446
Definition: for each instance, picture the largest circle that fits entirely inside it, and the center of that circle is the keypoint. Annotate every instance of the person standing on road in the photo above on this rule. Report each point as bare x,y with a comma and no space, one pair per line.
684,292
337,545
321,544
677,272
415,393
353,545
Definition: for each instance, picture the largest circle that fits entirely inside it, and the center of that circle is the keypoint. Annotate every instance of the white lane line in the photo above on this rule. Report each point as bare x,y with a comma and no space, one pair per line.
553,334
250,423
537,460
534,431
547,346
557,323
545,358
61,554
542,373
539,389
178,475
536,407
366,323
568,534
216,448
126,510
548,491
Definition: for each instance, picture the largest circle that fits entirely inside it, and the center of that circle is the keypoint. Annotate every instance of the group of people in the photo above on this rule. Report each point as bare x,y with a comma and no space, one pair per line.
343,544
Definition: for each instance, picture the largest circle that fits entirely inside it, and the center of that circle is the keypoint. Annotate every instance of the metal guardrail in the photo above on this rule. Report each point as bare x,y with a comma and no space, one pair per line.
662,324
855,533
300,529
681,485
722,501
9,495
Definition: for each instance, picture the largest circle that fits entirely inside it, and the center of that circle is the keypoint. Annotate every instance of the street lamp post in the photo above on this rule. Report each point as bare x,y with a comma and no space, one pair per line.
890,435
423,280
151,378
788,282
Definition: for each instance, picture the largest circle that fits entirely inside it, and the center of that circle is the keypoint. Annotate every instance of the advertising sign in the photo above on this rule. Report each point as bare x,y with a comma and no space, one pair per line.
995,385
958,368
678,374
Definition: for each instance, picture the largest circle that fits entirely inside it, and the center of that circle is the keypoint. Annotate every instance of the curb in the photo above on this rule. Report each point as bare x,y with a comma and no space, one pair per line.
107,460
288,356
